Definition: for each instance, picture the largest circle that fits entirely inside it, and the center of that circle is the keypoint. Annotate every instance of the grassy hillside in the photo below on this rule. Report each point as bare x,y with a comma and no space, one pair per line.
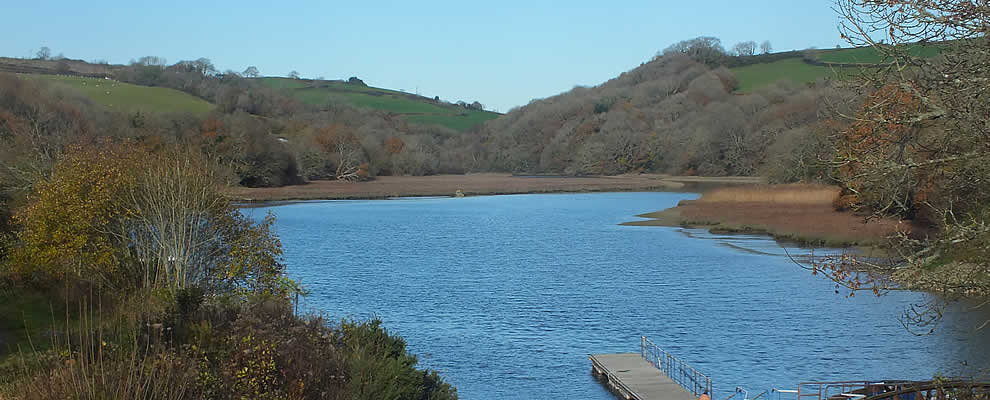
127,97
870,55
799,70
416,109
794,69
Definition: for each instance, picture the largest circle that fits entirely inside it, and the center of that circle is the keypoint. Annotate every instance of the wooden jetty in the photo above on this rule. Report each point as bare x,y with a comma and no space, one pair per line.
654,374
651,374
629,375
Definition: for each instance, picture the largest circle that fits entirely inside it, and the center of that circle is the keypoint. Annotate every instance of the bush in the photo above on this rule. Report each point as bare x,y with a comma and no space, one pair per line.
604,104
267,352
380,368
123,218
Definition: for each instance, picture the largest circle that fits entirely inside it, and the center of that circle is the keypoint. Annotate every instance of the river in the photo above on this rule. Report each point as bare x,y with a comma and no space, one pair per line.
507,295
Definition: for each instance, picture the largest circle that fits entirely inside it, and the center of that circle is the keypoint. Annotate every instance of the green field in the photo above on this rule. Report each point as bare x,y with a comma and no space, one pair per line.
798,71
127,97
870,55
415,109
794,69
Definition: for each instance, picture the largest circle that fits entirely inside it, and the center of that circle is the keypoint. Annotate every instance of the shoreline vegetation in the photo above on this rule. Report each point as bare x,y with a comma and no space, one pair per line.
385,187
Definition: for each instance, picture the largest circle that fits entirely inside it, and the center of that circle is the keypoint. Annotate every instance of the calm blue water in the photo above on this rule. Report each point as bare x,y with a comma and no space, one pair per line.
507,295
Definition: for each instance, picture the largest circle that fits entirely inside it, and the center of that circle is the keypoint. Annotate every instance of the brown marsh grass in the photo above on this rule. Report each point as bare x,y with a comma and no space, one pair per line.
782,194
798,212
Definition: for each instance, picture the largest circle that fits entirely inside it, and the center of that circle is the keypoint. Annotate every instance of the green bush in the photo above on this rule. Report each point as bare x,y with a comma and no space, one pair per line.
380,368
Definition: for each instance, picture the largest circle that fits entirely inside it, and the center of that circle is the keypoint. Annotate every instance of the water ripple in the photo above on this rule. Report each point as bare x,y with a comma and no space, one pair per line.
507,295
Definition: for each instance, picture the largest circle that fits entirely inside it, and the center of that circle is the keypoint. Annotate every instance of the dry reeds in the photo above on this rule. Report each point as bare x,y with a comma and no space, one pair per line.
91,362
782,194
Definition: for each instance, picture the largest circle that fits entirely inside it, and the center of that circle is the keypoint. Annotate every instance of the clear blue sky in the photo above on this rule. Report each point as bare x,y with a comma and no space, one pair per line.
503,54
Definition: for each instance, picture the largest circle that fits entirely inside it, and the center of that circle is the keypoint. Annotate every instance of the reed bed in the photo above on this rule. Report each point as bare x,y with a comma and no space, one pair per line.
796,194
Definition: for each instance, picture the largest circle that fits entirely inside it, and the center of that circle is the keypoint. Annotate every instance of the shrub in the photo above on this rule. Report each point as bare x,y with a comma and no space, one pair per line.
121,217
604,104
380,368
71,228
264,351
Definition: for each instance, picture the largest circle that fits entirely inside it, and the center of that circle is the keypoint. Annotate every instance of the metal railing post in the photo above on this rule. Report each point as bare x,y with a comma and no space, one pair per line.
675,369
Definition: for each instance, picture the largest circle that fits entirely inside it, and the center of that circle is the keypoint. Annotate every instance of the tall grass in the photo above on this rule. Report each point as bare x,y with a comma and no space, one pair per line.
782,194
97,359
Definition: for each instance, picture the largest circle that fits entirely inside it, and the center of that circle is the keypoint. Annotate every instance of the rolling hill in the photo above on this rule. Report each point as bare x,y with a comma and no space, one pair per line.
414,108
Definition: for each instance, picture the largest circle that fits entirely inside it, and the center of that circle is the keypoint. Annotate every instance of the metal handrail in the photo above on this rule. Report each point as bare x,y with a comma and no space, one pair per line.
675,369
851,390
739,389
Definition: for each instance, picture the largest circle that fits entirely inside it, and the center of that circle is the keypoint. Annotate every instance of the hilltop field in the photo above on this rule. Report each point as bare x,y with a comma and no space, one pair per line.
413,108
126,97
802,67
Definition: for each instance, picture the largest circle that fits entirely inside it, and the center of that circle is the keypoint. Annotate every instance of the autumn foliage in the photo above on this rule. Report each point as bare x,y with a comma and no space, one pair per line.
883,136
71,227
120,216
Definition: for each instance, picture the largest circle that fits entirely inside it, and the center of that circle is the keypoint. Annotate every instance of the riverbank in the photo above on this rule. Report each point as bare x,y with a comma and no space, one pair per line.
799,213
480,184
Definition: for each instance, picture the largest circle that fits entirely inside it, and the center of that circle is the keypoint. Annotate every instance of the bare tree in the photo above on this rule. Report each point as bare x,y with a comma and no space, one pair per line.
705,49
174,223
293,74
766,47
251,72
204,66
744,48
919,143
44,53
150,61
344,151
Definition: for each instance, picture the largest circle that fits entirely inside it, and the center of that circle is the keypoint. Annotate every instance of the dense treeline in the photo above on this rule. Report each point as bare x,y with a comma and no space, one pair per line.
673,114
657,117
37,121
227,90
262,138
